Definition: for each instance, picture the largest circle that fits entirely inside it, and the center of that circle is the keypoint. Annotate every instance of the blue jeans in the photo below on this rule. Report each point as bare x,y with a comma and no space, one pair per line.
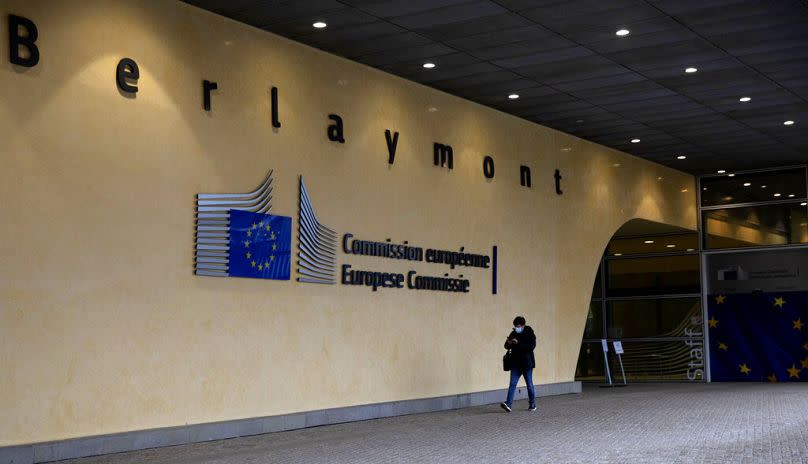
528,375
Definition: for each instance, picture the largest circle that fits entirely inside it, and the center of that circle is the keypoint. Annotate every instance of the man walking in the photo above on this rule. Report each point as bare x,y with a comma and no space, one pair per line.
521,342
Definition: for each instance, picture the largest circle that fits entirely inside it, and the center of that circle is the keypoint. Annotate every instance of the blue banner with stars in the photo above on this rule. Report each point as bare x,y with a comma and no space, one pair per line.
759,337
260,245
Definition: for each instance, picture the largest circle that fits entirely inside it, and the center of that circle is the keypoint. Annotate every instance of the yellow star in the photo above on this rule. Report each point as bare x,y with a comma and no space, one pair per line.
794,372
772,378
722,346
254,225
253,264
779,301
272,257
249,233
720,299
798,324
713,322
260,267
804,363
274,246
268,228
246,244
745,369
249,255
272,236
266,263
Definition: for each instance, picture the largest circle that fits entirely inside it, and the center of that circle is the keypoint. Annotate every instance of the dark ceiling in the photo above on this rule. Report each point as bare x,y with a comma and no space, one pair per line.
573,73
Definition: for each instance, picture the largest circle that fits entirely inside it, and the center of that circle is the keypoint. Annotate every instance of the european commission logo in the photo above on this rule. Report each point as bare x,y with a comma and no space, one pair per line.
237,237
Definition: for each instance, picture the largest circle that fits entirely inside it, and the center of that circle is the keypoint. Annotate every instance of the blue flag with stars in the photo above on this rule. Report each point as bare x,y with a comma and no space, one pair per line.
759,336
260,245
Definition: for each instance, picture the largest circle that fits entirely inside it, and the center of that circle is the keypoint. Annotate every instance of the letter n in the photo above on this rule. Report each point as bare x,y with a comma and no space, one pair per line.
524,176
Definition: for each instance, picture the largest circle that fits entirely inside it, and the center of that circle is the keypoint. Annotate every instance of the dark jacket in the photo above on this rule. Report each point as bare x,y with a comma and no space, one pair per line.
522,352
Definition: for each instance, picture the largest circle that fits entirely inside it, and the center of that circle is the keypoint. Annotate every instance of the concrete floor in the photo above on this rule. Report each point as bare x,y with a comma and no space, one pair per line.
671,423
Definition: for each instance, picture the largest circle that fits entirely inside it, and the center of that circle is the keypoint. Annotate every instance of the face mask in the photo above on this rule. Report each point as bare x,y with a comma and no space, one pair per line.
518,329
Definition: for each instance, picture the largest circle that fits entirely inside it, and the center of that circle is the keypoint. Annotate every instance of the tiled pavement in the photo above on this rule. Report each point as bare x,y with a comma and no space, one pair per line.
672,423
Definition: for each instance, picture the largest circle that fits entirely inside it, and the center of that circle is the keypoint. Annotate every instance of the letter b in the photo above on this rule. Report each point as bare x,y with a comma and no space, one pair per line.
15,41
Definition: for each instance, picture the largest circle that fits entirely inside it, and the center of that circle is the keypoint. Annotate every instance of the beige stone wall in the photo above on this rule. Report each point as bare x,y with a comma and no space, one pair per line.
103,326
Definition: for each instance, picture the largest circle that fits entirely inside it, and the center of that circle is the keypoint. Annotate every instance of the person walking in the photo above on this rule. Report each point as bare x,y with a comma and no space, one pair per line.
521,342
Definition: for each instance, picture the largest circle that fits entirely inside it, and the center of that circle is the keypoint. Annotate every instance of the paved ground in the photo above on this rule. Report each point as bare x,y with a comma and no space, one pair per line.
673,423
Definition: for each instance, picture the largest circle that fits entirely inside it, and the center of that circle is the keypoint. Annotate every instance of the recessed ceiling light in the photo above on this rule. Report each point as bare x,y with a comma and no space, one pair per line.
691,249
744,99
803,204
684,190
777,194
747,184
730,175
763,186
623,32
721,171
513,96
616,165
690,70
788,123
429,65
635,140
319,25
670,246
791,195
659,178
649,241
618,254
681,157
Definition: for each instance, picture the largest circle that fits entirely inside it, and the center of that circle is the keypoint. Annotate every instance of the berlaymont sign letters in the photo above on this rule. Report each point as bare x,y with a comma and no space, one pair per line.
237,236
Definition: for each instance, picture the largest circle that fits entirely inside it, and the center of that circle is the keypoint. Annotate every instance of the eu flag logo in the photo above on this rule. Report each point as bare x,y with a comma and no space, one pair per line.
260,245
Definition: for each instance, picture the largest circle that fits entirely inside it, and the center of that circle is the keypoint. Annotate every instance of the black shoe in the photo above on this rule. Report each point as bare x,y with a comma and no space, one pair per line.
531,408
505,407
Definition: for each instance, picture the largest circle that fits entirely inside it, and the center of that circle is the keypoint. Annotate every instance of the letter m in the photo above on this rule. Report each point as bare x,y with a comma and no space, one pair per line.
443,155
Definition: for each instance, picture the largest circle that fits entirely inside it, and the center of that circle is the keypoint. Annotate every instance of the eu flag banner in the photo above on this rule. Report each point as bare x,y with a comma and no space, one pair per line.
759,336
260,245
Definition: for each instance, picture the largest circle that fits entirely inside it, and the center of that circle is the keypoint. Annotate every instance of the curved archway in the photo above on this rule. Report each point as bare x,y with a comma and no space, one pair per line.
647,295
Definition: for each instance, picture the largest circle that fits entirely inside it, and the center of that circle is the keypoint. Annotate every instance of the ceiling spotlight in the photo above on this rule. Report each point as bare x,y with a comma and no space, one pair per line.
777,194
513,96
745,99
803,204
721,171
691,249
319,25
659,178
730,175
681,157
618,254
684,190
690,70
649,241
429,65
616,165
623,32
788,123
670,246
635,140
763,186
791,195
747,184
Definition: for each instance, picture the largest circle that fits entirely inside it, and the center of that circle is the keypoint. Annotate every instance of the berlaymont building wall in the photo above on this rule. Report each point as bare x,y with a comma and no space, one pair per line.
106,328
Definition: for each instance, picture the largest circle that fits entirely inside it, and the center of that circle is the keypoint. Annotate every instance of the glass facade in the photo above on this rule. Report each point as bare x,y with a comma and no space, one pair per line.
648,297
754,209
